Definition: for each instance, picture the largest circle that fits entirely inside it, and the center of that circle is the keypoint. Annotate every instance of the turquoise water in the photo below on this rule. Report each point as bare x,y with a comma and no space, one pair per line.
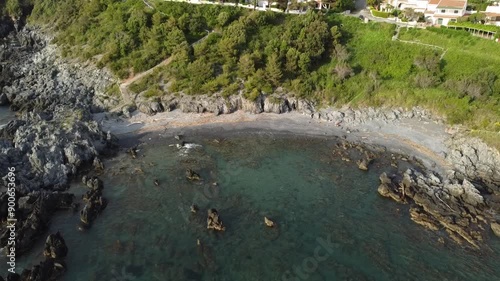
5,115
148,232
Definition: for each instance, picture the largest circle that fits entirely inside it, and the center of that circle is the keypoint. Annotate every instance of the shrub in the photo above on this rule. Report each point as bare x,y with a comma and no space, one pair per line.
380,14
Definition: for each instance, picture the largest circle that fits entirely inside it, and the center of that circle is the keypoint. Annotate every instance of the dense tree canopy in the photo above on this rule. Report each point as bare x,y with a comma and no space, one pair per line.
324,57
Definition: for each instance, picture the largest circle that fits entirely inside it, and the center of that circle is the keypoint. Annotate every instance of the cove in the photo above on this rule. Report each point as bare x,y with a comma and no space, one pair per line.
148,232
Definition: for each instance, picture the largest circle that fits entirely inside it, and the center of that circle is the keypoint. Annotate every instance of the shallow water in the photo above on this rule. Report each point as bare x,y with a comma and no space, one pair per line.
148,232
5,115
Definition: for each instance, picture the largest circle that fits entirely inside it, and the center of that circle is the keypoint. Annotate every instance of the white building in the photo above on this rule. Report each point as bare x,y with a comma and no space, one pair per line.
442,12
439,12
417,5
493,15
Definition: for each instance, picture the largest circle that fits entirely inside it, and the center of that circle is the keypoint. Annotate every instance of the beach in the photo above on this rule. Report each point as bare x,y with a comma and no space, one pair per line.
423,139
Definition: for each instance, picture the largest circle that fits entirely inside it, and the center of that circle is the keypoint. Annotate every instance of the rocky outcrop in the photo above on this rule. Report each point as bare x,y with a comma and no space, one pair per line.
268,222
495,227
217,104
54,134
453,204
475,160
192,175
50,269
213,221
55,247
34,214
94,202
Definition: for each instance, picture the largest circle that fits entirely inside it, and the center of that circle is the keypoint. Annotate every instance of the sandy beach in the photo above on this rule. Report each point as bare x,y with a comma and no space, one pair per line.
423,139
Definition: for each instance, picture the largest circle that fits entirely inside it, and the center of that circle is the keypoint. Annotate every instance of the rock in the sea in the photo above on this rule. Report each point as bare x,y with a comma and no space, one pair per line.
362,164
194,209
192,175
50,269
97,164
55,247
34,220
213,221
94,202
268,222
453,205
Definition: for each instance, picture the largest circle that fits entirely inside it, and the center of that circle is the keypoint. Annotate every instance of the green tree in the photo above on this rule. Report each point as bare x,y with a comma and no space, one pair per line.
292,58
273,70
223,19
14,8
246,65
313,38
174,38
374,3
304,63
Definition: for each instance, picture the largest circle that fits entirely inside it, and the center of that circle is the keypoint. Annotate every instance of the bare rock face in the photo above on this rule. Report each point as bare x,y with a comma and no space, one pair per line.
213,221
475,160
278,105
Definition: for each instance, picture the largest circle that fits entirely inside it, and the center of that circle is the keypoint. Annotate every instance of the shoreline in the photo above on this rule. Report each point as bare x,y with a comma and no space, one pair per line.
424,140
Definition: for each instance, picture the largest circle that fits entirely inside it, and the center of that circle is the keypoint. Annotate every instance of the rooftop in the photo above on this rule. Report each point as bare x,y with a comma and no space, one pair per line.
493,9
451,3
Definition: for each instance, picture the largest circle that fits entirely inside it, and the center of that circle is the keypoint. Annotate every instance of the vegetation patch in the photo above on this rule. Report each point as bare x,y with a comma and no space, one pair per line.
328,58
380,14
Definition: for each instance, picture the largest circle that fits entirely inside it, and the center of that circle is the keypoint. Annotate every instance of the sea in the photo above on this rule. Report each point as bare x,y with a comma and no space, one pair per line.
329,221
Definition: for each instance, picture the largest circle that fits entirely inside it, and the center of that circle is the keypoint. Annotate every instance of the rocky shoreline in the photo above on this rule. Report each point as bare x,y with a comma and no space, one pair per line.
56,138
53,139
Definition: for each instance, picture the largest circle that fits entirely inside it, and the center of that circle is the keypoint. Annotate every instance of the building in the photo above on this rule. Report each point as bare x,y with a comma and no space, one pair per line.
493,15
442,12
418,6
438,12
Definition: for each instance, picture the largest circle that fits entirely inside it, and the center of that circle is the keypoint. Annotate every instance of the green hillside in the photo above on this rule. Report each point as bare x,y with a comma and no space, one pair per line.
330,58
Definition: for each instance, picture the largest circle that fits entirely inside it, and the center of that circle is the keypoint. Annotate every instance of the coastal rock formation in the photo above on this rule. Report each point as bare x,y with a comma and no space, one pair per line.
35,211
475,160
50,269
454,204
495,227
192,175
216,104
55,247
55,133
268,222
213,221
94,202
